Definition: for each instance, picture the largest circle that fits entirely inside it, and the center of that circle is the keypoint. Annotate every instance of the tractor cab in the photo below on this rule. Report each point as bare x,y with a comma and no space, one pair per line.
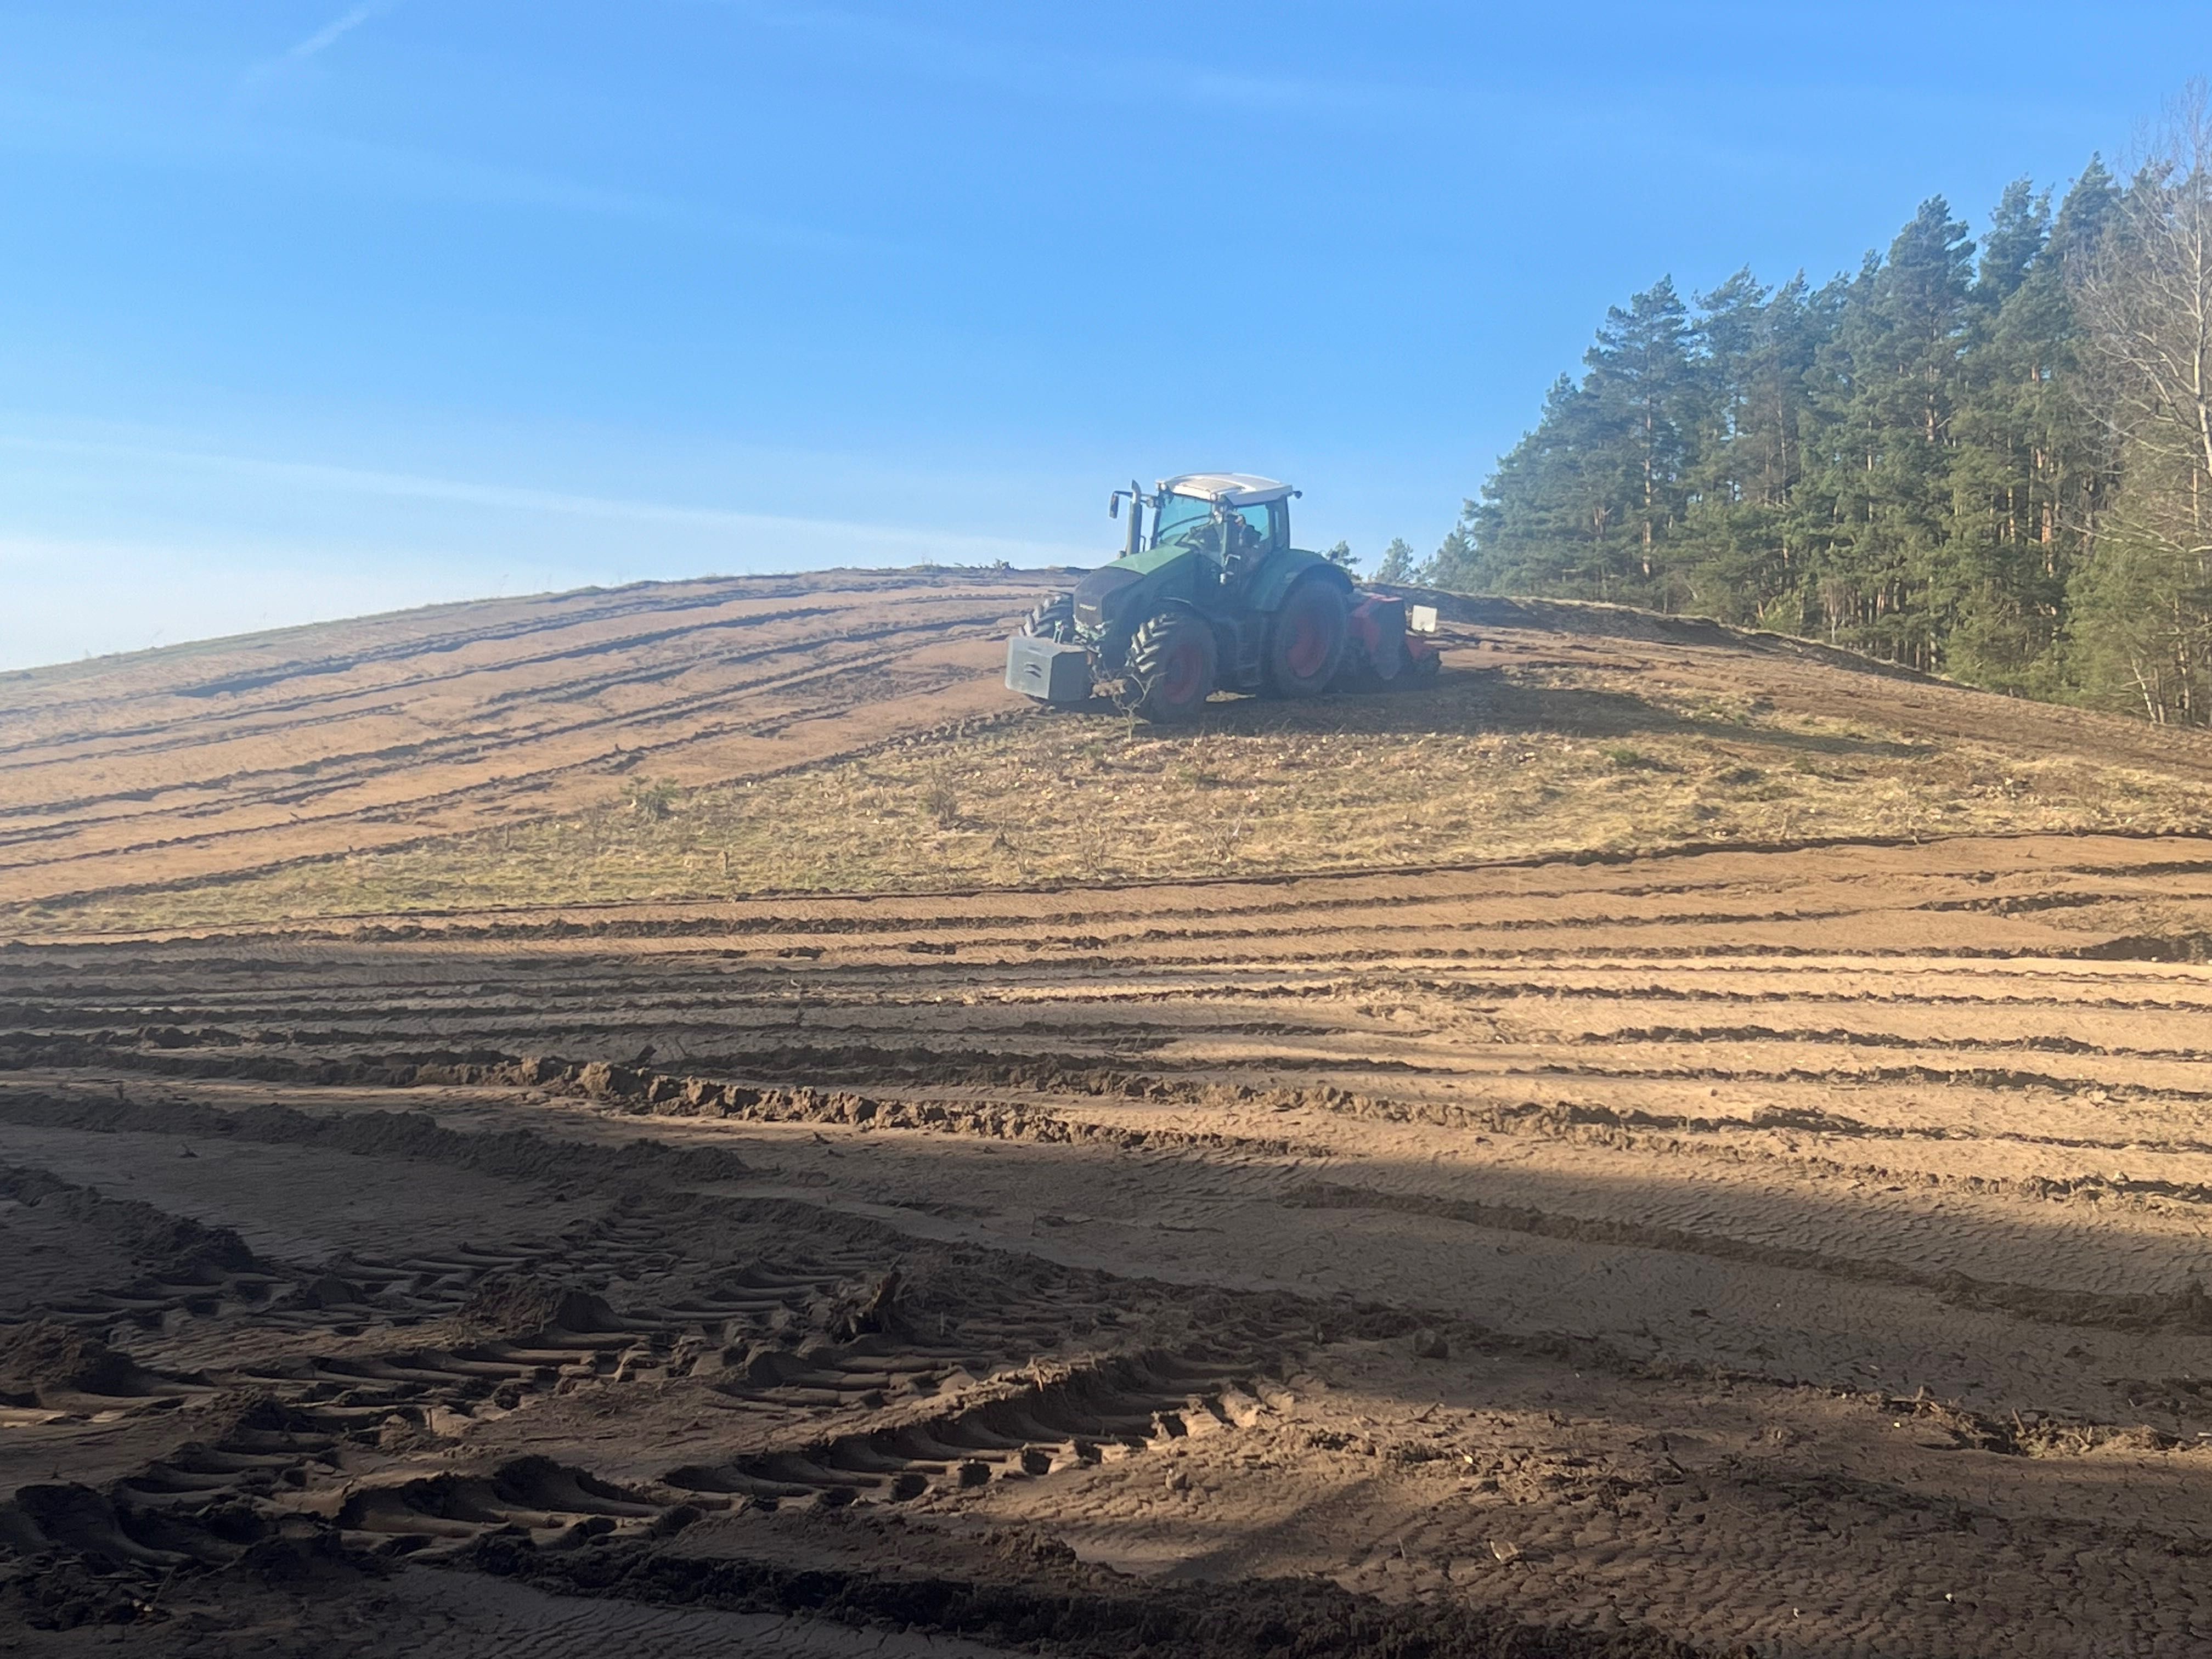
1232,520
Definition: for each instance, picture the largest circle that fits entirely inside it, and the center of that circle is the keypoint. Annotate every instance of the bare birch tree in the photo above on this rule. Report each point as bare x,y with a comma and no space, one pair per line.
2143,298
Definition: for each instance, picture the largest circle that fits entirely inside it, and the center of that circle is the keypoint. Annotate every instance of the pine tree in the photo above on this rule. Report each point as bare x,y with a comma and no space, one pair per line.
2020,225
1757,348
2031,472
1397,562
1644,386
1453,563
1588,502
1879,501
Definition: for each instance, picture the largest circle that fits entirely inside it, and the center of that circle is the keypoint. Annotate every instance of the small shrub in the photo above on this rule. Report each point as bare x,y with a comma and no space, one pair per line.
651,798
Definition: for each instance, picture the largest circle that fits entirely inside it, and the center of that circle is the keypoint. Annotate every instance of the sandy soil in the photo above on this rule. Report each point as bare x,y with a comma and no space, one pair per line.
1799,1250
274,751
313,741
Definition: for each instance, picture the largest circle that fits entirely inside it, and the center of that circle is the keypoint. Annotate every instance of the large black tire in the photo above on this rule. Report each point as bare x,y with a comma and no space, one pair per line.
1054,620
1306,641
1171,668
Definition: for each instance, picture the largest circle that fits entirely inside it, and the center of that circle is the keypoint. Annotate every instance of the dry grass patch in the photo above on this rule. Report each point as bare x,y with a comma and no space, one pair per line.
1494,763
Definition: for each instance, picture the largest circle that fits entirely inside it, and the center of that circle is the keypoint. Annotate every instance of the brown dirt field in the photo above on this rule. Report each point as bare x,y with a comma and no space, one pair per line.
313,741
1790,1248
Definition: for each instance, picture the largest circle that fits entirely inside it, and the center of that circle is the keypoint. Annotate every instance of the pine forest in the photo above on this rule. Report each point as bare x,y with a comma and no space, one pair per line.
1986,456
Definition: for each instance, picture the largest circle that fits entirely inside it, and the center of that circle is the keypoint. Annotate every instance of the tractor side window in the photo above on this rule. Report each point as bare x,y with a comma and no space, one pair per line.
1261,522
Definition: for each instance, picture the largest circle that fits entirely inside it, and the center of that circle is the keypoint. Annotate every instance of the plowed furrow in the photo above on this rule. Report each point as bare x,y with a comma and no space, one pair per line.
276,797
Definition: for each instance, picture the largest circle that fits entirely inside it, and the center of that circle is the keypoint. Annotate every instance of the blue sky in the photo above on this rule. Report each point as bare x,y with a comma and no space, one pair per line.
309,307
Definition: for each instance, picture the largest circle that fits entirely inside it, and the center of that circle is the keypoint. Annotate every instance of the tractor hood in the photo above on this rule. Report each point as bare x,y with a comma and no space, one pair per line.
1101,593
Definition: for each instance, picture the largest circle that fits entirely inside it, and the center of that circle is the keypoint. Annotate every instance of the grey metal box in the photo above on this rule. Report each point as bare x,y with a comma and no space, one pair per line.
1048,670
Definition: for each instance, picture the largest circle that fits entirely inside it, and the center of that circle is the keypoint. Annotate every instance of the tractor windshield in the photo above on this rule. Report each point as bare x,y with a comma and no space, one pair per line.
1182,518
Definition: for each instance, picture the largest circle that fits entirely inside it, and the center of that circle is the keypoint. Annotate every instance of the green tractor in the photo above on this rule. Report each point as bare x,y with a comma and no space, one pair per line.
1215,599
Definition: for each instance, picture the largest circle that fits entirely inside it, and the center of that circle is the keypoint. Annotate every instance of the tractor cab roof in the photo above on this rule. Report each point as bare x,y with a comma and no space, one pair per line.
1230,489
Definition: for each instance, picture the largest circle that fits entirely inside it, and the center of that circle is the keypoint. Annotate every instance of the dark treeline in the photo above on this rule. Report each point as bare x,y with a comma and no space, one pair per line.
1989,456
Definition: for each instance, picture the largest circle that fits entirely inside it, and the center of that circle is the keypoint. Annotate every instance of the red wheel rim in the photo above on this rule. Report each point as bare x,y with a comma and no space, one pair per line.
1307,653
1183,674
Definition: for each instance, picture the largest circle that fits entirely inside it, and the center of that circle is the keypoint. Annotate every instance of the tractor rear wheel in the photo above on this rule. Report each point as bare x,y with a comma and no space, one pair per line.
1171,667
1305,642
1053,619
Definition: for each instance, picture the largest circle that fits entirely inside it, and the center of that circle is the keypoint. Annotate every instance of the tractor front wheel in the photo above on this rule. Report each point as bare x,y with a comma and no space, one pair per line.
1171,667
1306,641
1054,620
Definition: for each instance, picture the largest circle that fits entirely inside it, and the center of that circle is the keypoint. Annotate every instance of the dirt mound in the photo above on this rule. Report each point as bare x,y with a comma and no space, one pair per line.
178,1249
68,1593
45,1360
545,1484
519,1305
2151,947
56,1516
165,1247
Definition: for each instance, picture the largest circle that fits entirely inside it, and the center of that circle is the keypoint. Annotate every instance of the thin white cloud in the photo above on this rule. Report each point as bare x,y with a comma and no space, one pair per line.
327,36
415,486
51,125
146,132
321,41
423,175
1102,76
190,542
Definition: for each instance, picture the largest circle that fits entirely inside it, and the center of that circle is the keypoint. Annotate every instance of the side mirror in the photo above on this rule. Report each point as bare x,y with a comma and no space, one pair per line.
1114,505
